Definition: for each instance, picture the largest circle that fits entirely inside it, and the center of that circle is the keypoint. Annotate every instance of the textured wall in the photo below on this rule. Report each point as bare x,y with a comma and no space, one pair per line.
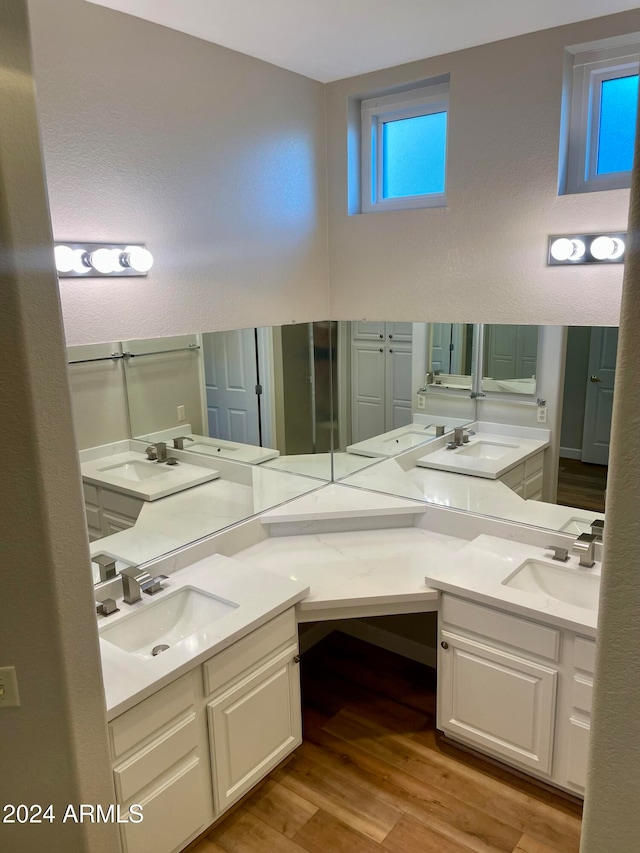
483,258
54,745
612,818
213,159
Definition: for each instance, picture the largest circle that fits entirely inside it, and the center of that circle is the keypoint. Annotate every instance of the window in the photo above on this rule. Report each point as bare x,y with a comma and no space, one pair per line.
604,105
404,149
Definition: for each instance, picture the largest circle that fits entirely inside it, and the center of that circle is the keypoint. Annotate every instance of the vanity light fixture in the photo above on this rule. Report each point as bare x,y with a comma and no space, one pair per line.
586,249
97,260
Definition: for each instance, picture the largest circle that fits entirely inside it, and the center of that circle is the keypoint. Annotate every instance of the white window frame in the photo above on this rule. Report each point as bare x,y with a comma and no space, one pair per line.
424,101
590,69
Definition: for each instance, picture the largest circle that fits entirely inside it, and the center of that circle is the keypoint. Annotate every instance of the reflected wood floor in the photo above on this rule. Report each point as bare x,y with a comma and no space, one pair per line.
582,485
370,775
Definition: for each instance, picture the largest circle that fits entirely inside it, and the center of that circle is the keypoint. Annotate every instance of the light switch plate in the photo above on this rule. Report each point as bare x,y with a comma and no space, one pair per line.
9,697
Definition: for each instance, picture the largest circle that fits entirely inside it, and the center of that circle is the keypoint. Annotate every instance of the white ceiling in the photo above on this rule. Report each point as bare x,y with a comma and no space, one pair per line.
331,39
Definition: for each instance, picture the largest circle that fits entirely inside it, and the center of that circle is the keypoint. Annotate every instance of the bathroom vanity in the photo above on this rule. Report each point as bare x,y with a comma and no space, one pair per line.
196,725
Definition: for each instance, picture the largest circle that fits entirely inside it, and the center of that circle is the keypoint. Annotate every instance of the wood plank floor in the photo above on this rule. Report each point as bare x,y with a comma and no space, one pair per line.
582,485
370,775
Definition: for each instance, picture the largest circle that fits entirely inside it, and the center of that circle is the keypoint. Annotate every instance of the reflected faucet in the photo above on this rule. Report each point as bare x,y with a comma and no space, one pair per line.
135,581
178,442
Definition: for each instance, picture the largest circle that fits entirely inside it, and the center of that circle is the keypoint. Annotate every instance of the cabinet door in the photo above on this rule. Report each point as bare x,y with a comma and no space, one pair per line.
578,749
368,390
253,726
499,702
398,392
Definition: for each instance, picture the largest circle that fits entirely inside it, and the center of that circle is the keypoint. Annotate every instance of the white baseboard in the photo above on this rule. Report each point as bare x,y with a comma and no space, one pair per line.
389,641
570,453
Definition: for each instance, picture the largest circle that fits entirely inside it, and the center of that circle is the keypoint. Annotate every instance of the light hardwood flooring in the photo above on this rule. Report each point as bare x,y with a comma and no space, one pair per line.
370,775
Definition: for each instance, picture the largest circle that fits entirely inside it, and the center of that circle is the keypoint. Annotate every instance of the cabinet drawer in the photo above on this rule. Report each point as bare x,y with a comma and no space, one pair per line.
584,655
156,758
150,716
533,465
532,486
247,652
510,630
121,504
513,477
582,693
173,813
578,753
90,493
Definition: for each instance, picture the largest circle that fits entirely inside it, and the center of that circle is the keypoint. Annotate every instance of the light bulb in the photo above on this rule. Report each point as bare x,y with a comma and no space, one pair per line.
64,258
561,249
138,258
607,248
80,265
102,261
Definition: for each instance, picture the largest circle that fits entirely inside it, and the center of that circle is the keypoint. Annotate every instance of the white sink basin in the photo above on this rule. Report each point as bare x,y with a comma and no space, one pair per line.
572,586
486,450
136,471
170,621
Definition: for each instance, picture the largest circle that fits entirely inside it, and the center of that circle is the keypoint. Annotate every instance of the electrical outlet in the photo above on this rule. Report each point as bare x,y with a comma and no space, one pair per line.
421,401
182,415
8,687
542,414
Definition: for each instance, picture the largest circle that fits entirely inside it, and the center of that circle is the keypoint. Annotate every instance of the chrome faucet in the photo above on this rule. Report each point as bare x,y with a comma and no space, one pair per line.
585,547
597,528
157,452
178,443
135,581
460,437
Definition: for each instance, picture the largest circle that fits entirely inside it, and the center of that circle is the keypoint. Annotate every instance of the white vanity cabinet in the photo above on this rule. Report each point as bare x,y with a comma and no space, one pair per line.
497,683
516,689
109,511
161,762
526,478
254,709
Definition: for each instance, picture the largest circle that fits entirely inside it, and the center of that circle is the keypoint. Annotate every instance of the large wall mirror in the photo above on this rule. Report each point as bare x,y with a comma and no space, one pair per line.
506,421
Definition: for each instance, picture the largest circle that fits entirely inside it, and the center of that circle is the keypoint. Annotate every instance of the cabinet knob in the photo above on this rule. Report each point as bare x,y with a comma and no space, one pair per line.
391,351
296,659
381,337
444,644
390,337
381,350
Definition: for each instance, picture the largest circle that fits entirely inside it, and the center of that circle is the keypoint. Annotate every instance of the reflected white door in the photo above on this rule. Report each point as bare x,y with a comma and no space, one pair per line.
599,403
230,383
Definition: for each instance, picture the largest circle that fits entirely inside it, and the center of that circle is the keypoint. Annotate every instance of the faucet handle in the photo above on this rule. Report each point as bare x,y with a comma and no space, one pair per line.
106,607
154,585
560,554
151,452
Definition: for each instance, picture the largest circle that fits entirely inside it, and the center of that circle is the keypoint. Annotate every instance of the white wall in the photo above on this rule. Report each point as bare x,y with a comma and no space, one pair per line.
213,159
483,258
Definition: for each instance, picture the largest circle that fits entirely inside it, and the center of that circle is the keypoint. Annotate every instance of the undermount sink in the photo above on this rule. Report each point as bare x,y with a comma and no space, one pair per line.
170,621
487,450
137,471
572,586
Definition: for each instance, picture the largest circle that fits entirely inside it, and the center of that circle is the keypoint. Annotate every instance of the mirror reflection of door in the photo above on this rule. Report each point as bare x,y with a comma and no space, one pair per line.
230,369
586,416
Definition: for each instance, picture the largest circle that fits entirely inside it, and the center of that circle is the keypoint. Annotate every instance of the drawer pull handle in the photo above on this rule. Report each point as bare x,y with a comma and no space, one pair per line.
444,645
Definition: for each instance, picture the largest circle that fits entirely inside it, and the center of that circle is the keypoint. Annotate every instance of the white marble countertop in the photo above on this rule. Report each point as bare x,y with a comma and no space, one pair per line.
260,595
478,570
217,447
356,568
133,474
488,453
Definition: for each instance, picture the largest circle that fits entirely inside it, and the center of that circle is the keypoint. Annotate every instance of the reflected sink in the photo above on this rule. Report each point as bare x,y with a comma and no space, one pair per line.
572,586
576,526
211,449
487,450
136,471
168,622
